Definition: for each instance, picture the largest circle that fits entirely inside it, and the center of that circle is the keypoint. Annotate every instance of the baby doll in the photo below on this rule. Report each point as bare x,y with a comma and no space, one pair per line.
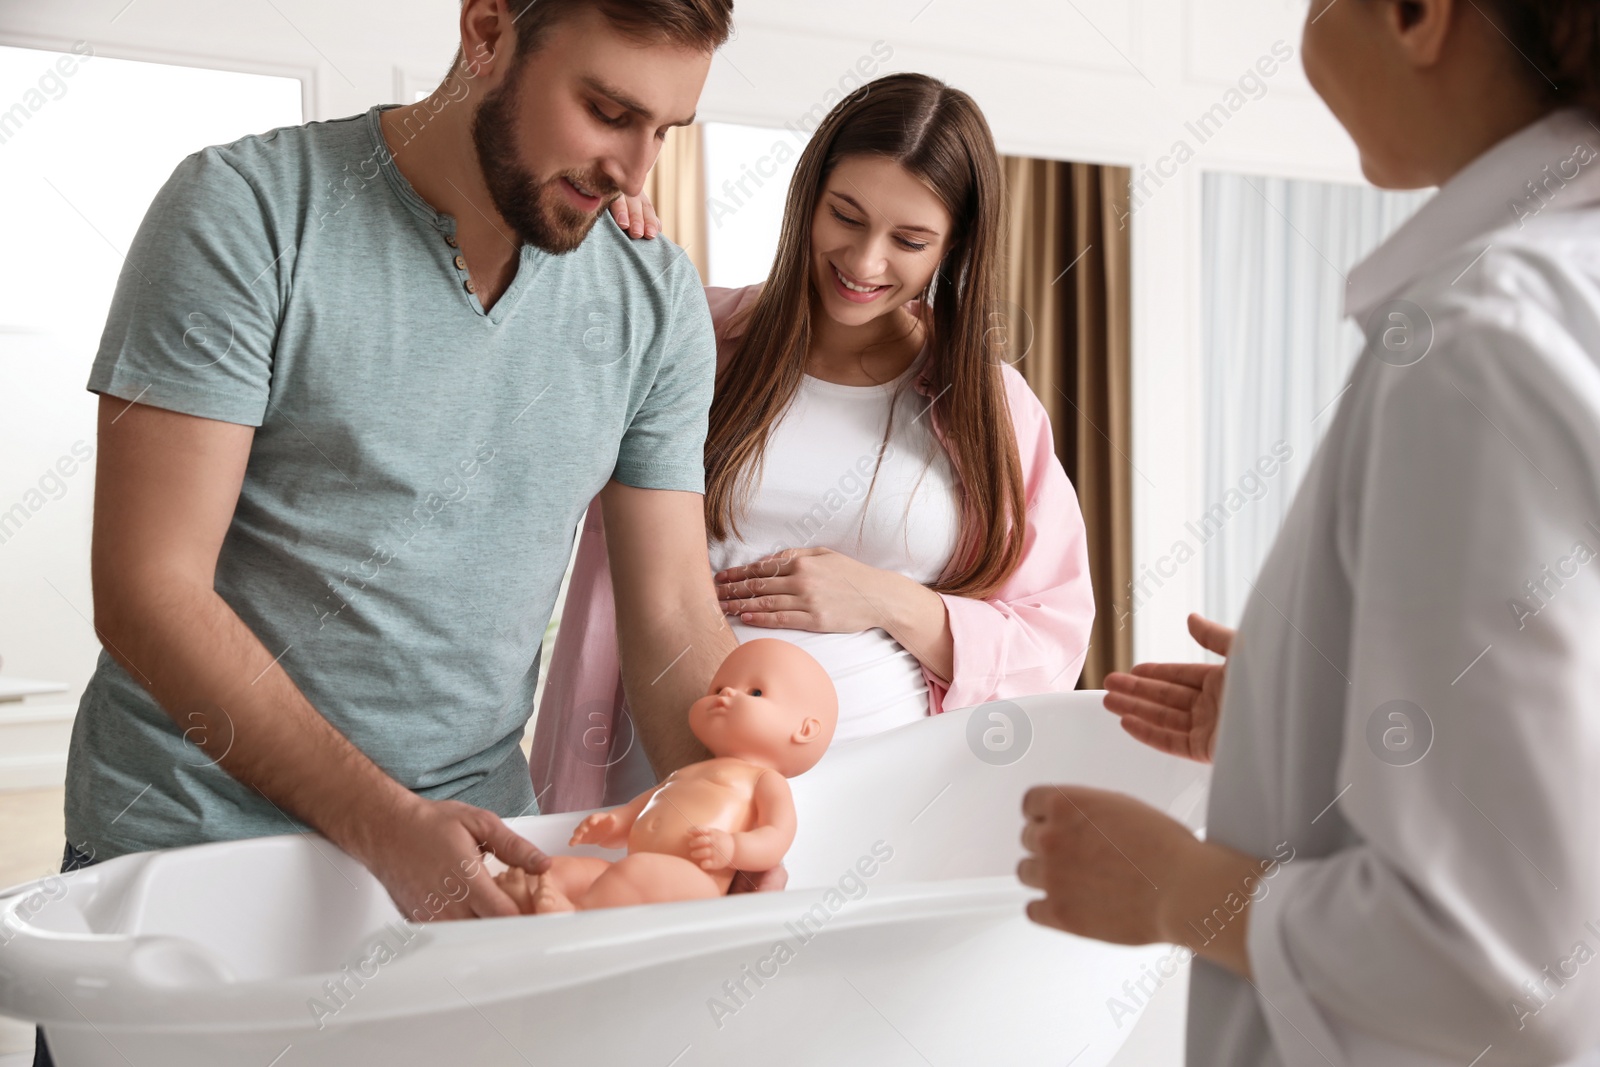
769,716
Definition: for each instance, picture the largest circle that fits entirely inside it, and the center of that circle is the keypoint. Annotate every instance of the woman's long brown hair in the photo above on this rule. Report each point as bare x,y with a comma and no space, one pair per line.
938,135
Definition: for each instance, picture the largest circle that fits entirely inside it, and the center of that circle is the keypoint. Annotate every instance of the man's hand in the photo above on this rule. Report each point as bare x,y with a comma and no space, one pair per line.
430,859
1175,707
759,881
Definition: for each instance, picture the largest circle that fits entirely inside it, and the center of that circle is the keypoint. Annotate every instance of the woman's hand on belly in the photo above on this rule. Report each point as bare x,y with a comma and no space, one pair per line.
823,591
815,589
819,590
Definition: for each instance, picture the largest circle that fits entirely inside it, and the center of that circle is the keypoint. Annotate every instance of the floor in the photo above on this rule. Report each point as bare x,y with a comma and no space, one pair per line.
31,832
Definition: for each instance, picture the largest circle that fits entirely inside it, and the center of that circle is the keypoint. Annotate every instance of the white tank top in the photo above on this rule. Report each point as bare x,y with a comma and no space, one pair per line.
812,492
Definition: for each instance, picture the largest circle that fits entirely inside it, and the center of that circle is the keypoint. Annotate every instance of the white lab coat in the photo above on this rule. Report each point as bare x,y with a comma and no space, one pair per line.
1413,703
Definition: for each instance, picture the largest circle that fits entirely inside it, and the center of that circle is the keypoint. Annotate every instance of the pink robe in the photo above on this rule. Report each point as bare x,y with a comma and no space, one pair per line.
1029,636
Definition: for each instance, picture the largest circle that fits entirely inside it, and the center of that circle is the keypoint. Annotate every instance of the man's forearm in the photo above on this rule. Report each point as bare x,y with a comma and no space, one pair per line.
667,665
670,632
223,688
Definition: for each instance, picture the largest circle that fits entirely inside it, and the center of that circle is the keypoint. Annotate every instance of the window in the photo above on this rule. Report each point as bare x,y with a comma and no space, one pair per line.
1276,351
85,142
747,181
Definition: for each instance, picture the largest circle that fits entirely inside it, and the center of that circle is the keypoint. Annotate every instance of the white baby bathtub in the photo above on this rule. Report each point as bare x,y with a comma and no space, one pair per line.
901,939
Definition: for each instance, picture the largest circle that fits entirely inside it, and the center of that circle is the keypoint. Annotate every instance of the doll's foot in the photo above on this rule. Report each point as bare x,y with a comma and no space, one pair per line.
519,885
547,898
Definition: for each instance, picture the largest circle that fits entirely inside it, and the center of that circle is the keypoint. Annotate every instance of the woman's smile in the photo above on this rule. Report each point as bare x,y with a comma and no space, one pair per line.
854,291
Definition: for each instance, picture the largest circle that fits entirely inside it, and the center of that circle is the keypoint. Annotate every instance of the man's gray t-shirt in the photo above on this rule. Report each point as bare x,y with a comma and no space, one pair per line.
417,474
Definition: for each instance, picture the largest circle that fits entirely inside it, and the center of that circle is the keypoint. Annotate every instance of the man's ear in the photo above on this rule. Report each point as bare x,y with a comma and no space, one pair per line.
487,35
1421,27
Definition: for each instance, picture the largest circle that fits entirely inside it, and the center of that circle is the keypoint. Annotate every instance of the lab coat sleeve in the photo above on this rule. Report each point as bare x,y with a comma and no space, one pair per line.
1032,634
1464,919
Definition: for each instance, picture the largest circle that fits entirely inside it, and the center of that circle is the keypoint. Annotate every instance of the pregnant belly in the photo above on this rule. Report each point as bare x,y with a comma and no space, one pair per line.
880,684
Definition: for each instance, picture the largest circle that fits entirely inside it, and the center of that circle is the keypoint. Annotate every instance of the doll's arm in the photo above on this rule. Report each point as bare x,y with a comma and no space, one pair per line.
763,848
609,829
758,849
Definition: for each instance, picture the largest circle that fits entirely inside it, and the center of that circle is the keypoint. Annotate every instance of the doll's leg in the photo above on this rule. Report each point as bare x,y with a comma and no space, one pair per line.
651,878
568,878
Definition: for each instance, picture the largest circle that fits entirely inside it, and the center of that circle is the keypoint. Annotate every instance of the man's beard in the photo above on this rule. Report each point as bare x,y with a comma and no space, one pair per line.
538,211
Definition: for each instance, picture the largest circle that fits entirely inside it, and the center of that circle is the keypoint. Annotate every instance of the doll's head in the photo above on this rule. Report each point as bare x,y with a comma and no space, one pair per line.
770,703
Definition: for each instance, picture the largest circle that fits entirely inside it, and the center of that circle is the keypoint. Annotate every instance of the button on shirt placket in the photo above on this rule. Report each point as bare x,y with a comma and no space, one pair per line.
461,264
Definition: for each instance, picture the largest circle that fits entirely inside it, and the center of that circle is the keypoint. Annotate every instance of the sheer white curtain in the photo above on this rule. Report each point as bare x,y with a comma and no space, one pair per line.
85,143
1276,351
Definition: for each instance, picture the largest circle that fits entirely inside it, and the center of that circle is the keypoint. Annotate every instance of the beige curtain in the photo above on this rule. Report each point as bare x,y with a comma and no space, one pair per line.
676,185
1066,292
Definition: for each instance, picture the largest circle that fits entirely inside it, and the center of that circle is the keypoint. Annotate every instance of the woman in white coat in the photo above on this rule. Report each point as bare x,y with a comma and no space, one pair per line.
1402,858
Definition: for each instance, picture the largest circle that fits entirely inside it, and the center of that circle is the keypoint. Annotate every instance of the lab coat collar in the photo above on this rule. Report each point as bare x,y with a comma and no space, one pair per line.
1552,164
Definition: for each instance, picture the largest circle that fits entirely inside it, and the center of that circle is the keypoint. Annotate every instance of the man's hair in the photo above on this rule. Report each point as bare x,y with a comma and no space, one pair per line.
702,24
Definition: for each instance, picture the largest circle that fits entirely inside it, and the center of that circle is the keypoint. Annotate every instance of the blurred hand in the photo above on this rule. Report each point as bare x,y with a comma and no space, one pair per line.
636,215
431,860
1115,869
759,881
1175,707
1101,858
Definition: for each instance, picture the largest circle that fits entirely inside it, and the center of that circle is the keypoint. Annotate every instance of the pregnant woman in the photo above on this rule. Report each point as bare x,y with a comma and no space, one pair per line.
881,487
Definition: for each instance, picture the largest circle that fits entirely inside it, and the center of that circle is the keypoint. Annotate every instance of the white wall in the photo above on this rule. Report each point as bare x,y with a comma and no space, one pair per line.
1116,81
